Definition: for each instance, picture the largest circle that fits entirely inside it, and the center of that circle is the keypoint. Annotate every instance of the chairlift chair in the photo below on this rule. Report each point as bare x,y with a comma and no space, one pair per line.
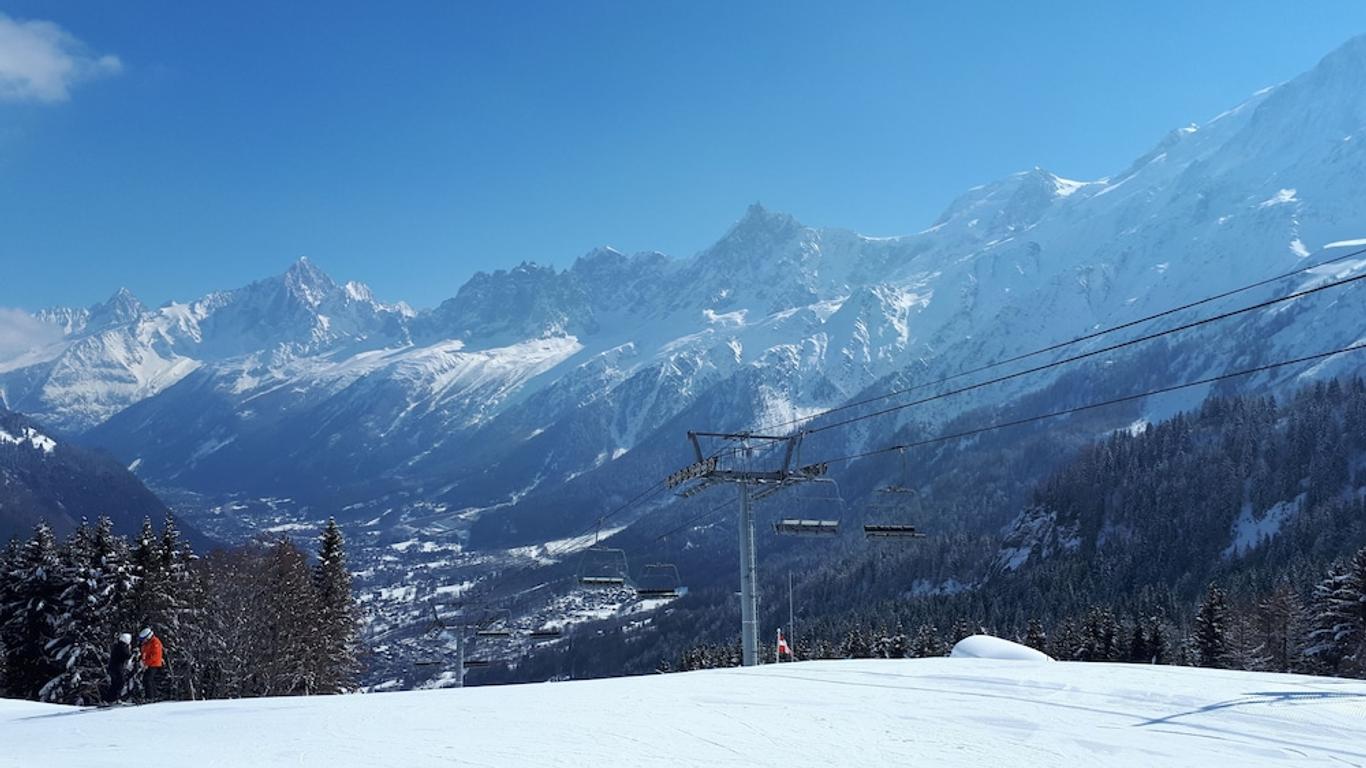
793,526
545,633
436,628
602,567
477,663
659,580
803,526
895,500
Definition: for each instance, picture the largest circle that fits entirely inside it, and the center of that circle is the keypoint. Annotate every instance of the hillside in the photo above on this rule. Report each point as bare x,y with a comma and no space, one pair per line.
948,712
46,478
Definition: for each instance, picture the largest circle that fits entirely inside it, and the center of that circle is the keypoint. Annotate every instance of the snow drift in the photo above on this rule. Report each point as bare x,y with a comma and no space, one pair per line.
988,647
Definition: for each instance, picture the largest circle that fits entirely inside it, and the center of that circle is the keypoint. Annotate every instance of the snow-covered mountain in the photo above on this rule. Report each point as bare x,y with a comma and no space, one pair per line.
548,390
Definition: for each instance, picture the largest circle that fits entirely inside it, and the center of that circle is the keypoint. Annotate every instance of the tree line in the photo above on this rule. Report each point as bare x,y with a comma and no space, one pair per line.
1280,632
256,620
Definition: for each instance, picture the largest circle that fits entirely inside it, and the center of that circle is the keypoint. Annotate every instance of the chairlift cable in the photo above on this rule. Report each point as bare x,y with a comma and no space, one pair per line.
1063,344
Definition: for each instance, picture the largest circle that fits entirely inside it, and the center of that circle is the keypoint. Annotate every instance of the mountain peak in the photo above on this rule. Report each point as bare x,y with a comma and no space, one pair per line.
122,307
305,280
761,223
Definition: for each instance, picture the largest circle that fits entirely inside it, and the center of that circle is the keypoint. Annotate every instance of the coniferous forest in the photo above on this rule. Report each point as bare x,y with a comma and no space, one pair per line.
257,620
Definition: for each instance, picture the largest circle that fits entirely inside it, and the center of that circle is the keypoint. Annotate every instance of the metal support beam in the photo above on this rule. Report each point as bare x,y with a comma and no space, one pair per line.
460,657
749,576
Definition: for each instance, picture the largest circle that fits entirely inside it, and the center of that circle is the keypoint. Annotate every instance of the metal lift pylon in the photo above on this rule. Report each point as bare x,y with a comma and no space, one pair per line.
708,471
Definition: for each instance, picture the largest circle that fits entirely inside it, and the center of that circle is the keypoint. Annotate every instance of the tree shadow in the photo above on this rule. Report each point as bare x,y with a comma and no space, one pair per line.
1259,697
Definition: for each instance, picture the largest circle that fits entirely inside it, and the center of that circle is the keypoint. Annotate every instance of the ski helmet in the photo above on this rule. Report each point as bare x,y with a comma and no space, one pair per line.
145,634
125,638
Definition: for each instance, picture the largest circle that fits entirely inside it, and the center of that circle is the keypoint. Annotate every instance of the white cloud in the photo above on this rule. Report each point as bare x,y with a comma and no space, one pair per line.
40,61
21,332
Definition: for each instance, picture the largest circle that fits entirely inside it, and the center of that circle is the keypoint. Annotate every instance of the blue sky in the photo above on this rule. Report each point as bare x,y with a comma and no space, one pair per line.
178,148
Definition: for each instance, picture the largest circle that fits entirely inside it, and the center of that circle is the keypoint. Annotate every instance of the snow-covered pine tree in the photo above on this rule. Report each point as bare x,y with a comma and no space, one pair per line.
1068,643
337,617
9,560
1101,635
856,645
1330,622
961,629
84,628
149,580
1036,637
927,643
898,646
32,615
1211,637
1355,639
171,613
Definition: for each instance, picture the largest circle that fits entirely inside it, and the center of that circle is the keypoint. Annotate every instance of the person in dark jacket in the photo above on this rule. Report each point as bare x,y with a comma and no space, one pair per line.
120,660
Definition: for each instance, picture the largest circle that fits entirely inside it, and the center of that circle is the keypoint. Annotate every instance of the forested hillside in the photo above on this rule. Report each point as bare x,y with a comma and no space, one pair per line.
1111,557
43,478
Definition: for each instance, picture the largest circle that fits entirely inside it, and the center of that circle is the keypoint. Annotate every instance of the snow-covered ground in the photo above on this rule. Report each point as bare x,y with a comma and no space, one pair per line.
939,712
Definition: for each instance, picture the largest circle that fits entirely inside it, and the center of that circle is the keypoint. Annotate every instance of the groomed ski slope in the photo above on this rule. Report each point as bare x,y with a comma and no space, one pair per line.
930,712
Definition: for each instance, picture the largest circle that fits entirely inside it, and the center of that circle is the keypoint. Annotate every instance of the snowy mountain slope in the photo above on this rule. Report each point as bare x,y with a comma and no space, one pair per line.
532,380
949,712
51,479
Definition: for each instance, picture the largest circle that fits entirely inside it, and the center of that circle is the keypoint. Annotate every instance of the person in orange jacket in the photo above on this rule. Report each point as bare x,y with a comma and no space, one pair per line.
152,662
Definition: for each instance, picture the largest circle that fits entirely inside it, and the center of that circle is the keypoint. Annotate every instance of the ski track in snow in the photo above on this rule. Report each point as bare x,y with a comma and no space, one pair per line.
941,712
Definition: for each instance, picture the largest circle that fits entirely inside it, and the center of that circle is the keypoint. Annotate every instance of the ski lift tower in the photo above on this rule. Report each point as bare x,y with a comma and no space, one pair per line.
779,470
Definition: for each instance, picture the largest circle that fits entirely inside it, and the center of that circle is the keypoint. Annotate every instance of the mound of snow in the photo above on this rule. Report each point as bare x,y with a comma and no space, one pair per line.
988,647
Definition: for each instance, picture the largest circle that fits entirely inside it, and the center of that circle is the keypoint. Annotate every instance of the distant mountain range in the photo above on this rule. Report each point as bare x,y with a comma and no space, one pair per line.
535,398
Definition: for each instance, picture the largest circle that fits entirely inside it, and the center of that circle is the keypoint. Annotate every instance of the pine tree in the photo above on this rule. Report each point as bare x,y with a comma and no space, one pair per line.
1036,637
1279,622
927,643
1351,599
898,645
84,628
1101,635
856,645
1331,622
337,617
1212,642
1138,644
149,580
961,629
32,616
9,560
1068,642
171,613
1156,633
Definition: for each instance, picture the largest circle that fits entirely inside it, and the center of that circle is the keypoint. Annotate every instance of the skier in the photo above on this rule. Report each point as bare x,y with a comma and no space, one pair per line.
120,662
151,663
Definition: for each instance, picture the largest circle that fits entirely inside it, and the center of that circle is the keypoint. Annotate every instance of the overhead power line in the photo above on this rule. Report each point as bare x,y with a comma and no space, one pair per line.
1063,344
1102,404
